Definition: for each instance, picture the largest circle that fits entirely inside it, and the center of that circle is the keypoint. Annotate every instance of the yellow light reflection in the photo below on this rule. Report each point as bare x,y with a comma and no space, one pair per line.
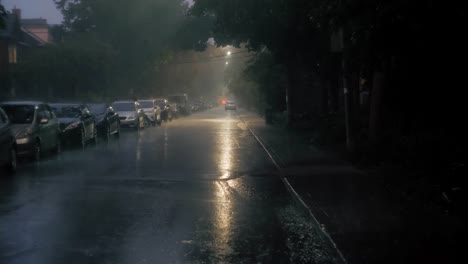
223,204
226,160
166,143
222,218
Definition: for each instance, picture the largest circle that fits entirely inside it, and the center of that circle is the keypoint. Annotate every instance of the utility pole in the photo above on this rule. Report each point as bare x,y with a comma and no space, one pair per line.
340,44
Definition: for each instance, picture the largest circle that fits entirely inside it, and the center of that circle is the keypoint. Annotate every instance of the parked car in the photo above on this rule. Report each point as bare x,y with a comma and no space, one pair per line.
130,114
35,126
77,124
166,110
182,101
107,120
7,144
230,105
174,109
151,110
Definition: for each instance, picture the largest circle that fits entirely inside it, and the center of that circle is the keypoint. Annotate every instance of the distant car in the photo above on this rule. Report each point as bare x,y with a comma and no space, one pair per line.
166,110
35,127
151,110
77,124
230,105
107,120
130,114
7,144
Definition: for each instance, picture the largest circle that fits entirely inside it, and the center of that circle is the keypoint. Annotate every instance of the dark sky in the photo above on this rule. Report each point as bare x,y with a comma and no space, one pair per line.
35,9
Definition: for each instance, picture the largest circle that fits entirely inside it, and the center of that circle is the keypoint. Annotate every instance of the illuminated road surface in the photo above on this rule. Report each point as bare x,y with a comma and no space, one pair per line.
195,190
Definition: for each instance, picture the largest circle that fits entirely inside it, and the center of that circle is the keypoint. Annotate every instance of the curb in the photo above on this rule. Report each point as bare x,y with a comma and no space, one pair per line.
293,192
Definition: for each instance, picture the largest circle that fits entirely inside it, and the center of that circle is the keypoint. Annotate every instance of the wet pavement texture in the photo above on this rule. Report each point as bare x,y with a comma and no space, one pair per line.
195,190
368,220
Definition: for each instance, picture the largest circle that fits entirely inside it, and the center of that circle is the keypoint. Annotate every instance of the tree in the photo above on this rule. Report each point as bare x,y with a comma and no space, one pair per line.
394,45
78,67
2,16
290,30
142,33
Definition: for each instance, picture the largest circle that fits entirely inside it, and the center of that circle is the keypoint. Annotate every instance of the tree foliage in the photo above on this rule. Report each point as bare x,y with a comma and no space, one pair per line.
112,48
2,16
414,46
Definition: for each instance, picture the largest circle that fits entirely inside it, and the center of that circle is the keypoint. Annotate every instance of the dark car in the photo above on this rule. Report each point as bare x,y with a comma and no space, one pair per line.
107,120
35,127
77,124
7,144
166,110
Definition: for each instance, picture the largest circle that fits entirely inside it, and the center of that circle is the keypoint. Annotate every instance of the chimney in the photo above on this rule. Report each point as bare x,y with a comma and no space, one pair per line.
17,12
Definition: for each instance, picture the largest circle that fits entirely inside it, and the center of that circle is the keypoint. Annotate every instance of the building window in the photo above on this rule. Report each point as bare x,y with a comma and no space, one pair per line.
12,53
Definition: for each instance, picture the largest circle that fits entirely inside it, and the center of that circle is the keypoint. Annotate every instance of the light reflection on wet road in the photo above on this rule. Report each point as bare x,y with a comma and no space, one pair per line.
196,190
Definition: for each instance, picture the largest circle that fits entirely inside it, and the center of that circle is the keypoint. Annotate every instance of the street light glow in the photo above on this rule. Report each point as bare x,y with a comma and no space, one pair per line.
227,62
229,53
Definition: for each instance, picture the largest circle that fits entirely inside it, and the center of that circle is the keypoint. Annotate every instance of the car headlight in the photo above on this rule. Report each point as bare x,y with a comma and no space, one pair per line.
72,126
24,133
131,117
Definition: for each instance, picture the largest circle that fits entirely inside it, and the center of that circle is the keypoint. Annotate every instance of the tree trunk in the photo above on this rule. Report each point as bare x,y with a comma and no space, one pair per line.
376,106
326,85
348,90
289,105
292,82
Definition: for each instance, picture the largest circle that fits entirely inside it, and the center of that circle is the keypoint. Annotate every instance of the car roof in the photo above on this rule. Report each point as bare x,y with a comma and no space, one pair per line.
124,101
146,100
106,104
22,103
66,104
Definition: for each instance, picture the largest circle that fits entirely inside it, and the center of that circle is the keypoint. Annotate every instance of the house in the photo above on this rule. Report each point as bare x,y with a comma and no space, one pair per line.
19,36
8,49
38,29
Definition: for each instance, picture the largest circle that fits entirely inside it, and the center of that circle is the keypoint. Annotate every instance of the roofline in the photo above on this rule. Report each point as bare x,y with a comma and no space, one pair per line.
22,103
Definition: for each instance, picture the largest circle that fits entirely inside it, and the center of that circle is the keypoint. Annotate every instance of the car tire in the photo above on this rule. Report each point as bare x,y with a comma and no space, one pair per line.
117,133
12,161
58,146
95,139
138,125
82,139
37,151
106,135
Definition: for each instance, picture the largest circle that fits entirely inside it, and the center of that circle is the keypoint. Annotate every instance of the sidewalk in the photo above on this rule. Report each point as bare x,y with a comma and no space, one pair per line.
368,222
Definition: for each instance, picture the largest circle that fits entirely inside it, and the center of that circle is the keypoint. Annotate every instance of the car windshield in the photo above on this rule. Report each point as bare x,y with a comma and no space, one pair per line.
66,111
97,108
146,104
19,114
124,107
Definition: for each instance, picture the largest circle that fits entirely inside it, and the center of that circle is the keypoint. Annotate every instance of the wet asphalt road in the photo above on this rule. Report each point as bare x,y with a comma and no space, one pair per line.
195,190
